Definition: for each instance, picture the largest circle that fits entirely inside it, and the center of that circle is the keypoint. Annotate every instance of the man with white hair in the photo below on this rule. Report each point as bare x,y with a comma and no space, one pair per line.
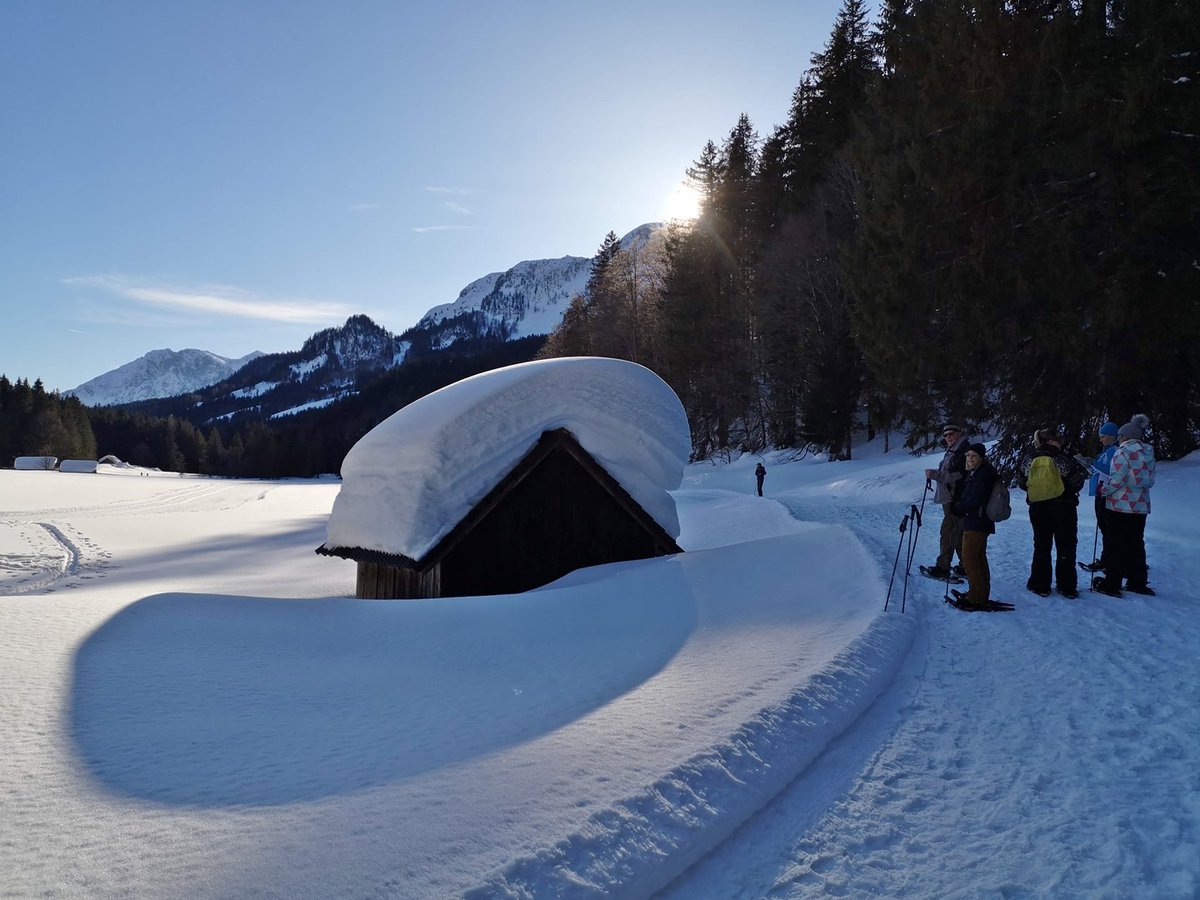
949,475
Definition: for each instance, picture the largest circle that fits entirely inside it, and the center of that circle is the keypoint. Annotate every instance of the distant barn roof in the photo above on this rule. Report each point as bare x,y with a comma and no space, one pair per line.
410,480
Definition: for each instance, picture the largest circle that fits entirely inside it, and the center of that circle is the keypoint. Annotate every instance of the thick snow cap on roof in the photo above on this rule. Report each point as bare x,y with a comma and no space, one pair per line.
414,476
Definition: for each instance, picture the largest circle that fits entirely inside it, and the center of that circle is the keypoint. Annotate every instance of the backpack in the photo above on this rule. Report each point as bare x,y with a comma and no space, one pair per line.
1044,481
998,507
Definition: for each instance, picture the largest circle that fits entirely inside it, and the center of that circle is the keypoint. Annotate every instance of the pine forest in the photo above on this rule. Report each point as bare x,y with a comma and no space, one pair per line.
982,210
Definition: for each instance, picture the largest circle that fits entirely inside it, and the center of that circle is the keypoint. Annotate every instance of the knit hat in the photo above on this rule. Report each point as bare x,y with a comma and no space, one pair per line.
1109,429
1043,436
1135,427
952,426
978,448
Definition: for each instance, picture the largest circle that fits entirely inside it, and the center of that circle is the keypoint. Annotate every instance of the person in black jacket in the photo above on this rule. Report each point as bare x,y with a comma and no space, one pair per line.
760,473
1055,519
971,507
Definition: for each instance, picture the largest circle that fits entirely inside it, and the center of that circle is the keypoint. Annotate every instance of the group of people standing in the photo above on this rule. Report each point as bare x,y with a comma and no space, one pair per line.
1120,480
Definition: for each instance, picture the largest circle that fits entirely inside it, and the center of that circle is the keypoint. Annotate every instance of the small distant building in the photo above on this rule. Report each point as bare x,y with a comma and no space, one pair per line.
489,486
78,465
34,463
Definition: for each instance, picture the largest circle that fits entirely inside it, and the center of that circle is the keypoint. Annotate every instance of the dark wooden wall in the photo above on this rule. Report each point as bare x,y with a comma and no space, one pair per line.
377,581
554,519
558,519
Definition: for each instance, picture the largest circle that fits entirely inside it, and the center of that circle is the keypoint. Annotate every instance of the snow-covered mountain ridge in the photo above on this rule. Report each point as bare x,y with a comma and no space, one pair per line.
528,299
160,373
525,300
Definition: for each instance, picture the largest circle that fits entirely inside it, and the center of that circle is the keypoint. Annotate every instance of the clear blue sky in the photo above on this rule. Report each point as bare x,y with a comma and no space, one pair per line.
234,176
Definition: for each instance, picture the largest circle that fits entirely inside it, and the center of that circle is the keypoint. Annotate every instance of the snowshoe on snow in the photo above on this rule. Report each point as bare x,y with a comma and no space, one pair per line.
957,599
938,574
1094,566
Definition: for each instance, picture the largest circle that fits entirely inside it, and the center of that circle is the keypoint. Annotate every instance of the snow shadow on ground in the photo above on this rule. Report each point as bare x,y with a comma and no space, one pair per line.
208,700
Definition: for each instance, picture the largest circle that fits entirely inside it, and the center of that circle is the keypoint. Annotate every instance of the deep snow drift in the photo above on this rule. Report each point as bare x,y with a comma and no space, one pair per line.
194,707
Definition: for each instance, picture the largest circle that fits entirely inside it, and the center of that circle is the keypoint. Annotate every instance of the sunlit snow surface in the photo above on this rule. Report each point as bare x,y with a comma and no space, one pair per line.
414,476
193,706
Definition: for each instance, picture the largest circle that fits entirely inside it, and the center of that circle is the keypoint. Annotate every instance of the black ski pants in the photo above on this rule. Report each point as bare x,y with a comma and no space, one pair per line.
1102,514
1055,526
1127,553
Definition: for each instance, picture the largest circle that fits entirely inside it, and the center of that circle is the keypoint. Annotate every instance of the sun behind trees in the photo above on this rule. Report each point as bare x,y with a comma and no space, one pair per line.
978,208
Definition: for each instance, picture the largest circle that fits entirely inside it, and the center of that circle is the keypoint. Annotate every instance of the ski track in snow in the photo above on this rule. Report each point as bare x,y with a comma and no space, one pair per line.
56,555
934,778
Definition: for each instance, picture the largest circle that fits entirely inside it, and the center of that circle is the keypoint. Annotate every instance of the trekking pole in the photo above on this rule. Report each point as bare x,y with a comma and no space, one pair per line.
917,515
912,550
1095,540
891,581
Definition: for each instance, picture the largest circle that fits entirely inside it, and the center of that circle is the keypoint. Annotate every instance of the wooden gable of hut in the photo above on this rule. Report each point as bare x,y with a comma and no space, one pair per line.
556,511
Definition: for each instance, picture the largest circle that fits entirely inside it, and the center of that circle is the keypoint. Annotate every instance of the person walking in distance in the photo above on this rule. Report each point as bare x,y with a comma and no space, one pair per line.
1127,498
1100,469
1051,480
976,526
760,472
949,476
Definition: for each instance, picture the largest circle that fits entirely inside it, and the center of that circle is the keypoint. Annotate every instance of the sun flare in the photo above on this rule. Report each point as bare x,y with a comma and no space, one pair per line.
682,203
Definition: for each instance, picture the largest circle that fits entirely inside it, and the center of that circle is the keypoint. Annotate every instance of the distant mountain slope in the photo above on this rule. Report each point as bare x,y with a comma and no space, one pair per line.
530,298
527,300
160,373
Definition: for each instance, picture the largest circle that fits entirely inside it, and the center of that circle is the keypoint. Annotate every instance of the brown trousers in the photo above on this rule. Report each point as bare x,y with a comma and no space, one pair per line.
950,538
975,562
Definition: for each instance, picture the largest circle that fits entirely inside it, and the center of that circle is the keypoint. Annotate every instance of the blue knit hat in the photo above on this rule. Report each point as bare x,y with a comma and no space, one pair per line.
1109,429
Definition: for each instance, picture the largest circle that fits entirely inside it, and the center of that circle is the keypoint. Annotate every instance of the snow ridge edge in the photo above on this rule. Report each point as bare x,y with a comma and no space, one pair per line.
642,843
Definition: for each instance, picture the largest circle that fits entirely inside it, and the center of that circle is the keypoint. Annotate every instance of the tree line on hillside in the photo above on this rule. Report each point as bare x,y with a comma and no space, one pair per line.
981,210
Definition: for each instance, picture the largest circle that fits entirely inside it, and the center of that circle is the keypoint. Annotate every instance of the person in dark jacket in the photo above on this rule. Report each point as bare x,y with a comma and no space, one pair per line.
1055,520
760,472
971,507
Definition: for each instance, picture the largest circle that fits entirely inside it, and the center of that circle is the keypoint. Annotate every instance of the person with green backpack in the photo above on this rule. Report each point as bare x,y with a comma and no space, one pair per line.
1051,480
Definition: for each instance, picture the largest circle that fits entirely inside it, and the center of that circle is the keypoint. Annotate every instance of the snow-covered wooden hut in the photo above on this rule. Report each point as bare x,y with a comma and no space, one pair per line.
512,478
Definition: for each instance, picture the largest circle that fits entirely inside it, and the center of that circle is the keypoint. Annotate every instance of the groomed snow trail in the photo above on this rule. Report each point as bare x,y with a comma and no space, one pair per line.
998,765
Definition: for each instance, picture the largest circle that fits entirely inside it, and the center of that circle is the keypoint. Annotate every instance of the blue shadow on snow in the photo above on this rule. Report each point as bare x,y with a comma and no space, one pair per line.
216,701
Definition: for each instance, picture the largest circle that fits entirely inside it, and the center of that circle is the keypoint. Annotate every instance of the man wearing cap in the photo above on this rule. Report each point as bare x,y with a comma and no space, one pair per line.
1100,468
949,476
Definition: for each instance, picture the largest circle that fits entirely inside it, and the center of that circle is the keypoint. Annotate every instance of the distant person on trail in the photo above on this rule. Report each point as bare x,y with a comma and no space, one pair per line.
1051,480
976,526
949,475
760,472
1127,501
1100,467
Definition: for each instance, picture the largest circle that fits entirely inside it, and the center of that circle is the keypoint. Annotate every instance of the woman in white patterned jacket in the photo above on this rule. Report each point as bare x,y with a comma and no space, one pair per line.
1127,500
